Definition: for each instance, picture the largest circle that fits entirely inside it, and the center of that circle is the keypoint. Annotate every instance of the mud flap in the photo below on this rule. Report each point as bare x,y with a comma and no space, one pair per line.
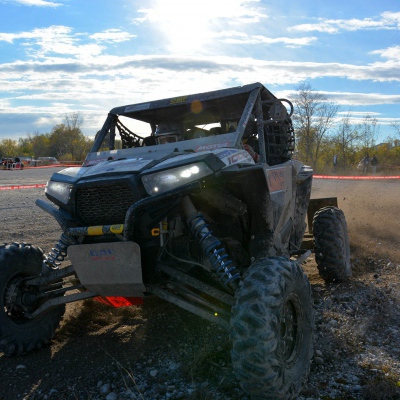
109,269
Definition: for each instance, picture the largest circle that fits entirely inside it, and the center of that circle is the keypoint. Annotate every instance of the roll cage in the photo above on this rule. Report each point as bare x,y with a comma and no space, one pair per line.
225,118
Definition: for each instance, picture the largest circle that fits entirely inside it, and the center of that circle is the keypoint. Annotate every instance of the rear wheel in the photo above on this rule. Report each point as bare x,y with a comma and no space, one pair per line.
19,334
272,329
332,249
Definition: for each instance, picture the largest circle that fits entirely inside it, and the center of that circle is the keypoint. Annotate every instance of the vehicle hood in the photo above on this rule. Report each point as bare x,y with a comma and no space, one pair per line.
226,156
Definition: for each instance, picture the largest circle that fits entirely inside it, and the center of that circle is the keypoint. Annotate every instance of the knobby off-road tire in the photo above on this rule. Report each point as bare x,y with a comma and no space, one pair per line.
331,241
18,334
272,329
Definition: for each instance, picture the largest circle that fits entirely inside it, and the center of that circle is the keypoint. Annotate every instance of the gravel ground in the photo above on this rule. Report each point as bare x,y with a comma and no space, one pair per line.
161,352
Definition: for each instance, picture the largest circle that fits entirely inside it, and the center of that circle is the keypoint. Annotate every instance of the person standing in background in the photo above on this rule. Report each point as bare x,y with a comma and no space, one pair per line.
374,163
366,160
335,162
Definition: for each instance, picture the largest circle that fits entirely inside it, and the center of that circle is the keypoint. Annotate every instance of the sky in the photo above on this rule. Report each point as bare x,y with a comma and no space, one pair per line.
66,56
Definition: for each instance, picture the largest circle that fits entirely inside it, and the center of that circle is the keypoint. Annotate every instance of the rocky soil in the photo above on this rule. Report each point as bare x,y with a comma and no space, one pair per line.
159,351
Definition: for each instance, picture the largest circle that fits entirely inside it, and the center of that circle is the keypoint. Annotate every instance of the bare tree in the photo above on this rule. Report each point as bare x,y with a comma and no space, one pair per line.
345,139
73,121
396,125
369,130
314,116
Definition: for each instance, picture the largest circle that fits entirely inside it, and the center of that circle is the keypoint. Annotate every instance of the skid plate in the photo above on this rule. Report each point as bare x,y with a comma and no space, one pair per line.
109,269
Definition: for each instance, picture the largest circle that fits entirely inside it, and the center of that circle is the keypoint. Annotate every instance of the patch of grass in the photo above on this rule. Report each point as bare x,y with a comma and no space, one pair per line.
381,389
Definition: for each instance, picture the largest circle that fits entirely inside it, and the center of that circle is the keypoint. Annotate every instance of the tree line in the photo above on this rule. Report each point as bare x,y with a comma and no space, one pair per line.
66,142
320,135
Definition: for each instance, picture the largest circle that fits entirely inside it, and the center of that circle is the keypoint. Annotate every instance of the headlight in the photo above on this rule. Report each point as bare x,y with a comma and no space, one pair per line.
162,181
59,191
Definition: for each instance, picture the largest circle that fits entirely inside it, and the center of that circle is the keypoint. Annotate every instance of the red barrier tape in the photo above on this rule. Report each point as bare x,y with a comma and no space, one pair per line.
12,187
54,166
355,177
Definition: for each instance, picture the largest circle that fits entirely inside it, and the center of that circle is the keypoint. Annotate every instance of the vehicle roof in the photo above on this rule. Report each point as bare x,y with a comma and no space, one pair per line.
166,108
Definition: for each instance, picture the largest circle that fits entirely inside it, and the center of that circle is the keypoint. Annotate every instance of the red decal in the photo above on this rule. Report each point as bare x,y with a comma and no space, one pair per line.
243,155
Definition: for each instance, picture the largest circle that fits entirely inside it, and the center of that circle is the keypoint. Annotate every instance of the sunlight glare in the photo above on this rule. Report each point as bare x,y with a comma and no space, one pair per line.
184,24
190,26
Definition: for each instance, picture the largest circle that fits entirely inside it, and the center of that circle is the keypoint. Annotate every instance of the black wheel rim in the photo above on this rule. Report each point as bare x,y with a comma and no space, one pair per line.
15,296
290,330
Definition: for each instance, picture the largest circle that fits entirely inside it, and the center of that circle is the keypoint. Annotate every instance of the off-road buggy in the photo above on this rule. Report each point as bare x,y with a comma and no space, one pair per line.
205,210
10,163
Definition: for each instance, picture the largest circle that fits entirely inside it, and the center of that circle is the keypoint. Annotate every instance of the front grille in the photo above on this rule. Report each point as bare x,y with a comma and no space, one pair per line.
105,204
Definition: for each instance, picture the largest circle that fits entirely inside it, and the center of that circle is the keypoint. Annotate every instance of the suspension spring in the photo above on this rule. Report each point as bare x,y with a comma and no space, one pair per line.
220,263
59,252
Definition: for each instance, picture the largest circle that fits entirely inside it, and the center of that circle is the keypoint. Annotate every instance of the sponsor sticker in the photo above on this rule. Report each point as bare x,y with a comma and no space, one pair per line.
102,255
212,146
178,100
276,179
240,156
225,153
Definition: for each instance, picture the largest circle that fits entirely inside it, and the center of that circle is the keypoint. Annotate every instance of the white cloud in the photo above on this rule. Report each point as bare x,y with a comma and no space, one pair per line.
391,53
37,34
230,11
105,67
112,35
60,40
350,99
244,38
51,119
38,3
7,37
387,20
363,114
362,99
4,104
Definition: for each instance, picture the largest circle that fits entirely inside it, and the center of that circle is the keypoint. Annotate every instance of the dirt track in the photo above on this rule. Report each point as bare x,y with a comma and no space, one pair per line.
372,211
97,343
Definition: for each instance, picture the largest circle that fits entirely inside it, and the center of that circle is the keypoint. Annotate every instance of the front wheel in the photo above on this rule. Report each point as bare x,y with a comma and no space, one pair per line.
332,249
19,334
272,329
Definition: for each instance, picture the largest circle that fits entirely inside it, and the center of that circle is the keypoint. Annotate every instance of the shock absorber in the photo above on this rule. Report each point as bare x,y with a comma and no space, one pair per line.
58,253
221,265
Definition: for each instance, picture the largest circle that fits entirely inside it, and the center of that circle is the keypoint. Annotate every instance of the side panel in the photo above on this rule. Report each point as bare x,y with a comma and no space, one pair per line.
280,185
